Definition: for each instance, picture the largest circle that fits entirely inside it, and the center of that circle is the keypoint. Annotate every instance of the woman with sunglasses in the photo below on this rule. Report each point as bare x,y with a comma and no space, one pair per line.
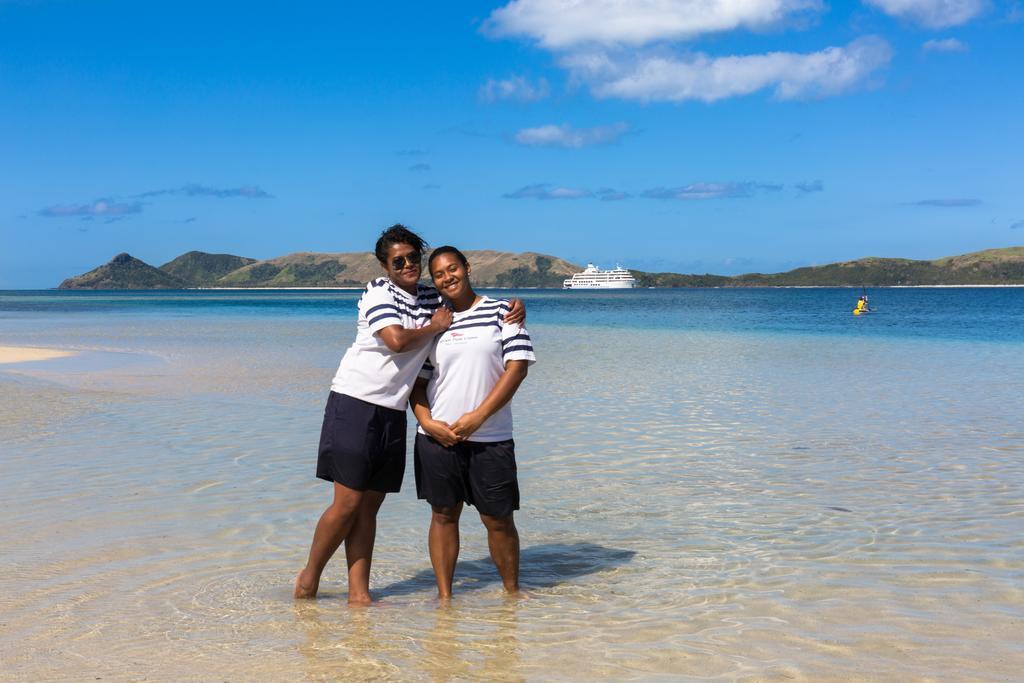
362,441
464,449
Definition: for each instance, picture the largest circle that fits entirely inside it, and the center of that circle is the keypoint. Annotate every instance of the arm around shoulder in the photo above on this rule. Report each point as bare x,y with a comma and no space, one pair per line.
399,339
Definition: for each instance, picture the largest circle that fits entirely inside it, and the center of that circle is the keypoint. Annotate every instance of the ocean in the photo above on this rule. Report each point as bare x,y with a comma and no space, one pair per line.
729,484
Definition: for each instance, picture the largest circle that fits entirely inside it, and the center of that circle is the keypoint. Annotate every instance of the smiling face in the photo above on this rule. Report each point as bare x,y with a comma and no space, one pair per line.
451,277
403,265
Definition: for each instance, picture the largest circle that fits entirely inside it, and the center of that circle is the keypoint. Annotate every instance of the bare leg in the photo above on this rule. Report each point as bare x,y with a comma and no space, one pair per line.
359,548
443,542
335,523
503,541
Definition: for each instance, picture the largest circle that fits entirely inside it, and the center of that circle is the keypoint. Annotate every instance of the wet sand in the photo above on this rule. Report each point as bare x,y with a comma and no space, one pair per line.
765,510
24,354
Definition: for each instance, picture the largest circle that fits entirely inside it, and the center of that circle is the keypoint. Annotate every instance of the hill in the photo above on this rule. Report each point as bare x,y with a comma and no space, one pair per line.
302,270
124,272
305,269
679,280
989,267
199,269
490,269
530,269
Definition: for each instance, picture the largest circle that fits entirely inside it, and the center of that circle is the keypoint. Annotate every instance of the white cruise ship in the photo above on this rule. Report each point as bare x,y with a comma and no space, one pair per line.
595,278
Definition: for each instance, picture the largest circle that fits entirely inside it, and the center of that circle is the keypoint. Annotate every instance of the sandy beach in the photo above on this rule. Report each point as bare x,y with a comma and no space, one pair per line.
26,354
757,506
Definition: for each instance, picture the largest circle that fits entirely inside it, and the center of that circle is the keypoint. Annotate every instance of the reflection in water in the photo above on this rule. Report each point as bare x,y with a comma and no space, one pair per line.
343,643
695,504
450,642
462,645
502,660
444,649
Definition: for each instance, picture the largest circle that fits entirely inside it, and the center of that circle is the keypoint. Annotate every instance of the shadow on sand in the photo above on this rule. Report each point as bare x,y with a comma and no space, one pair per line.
540,566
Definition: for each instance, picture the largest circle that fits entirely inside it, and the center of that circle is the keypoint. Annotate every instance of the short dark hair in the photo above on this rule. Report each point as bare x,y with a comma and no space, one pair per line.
397,234
446,249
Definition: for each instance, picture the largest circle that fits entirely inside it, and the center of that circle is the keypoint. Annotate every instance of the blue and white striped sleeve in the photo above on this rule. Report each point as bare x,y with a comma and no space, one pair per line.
378,309
516,344
427,371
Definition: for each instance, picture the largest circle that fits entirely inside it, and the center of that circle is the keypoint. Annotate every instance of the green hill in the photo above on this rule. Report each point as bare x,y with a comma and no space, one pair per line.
294,270
679,280
530,269
124,272
490,269
990,267
199,269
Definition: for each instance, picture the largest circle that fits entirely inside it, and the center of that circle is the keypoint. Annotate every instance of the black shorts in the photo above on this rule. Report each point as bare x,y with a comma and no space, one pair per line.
480,473
362,445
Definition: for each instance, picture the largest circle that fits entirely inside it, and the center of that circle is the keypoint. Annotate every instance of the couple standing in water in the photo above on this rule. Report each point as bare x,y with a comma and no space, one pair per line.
458,358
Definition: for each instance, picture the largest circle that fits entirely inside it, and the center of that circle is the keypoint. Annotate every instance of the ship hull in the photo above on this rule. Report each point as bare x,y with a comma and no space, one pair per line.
600,285
595,278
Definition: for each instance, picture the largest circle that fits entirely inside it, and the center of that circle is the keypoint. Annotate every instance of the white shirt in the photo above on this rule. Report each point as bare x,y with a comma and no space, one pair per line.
370,370
466,361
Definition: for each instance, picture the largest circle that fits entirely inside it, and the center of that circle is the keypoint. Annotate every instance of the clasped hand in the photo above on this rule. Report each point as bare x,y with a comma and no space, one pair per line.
450,434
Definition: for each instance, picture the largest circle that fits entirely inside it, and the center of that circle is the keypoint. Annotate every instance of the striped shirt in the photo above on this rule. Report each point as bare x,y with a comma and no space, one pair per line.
370,370
466,361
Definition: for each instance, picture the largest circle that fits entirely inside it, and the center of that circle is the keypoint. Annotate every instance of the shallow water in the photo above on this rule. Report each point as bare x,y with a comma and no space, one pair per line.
728,495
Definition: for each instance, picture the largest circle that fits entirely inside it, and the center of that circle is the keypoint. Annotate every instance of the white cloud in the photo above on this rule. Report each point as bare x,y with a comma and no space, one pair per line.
948,203
696,191
99,208
561,24
657,77
567,136
809,186
517,88
946,45
544,191
932,13
197,190
609,194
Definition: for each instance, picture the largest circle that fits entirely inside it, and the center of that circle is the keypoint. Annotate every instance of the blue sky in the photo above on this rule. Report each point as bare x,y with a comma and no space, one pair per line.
714,136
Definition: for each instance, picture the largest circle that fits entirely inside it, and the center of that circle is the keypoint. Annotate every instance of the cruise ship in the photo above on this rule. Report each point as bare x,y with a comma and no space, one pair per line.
595,278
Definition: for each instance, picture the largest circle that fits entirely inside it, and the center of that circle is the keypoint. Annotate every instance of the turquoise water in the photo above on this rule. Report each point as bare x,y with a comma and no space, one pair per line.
983,314
747,484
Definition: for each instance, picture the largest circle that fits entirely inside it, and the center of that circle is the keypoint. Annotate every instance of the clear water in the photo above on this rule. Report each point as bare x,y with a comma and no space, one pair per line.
748,484
983,314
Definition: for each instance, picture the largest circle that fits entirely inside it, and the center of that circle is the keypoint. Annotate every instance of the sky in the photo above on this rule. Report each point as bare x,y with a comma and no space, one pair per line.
721,136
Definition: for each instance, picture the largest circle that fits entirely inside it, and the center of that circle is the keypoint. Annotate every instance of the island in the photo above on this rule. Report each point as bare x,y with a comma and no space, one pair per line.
196,269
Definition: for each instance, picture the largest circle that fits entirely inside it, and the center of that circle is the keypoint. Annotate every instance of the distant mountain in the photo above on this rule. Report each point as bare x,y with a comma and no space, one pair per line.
199,269
527,269
124,272
679,280
490,269
303,270
530,269
990,267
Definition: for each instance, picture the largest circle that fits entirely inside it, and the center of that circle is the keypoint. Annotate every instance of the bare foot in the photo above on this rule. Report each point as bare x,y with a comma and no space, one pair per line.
359,600
305,587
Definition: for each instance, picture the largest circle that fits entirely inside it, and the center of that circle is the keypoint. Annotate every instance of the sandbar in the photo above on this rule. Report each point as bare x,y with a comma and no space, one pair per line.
25,354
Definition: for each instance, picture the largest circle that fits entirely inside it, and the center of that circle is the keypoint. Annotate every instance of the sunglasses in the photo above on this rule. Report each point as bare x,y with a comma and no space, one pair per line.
413,259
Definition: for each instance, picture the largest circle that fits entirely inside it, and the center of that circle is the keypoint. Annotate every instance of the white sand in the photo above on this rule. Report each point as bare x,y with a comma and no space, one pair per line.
24,354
